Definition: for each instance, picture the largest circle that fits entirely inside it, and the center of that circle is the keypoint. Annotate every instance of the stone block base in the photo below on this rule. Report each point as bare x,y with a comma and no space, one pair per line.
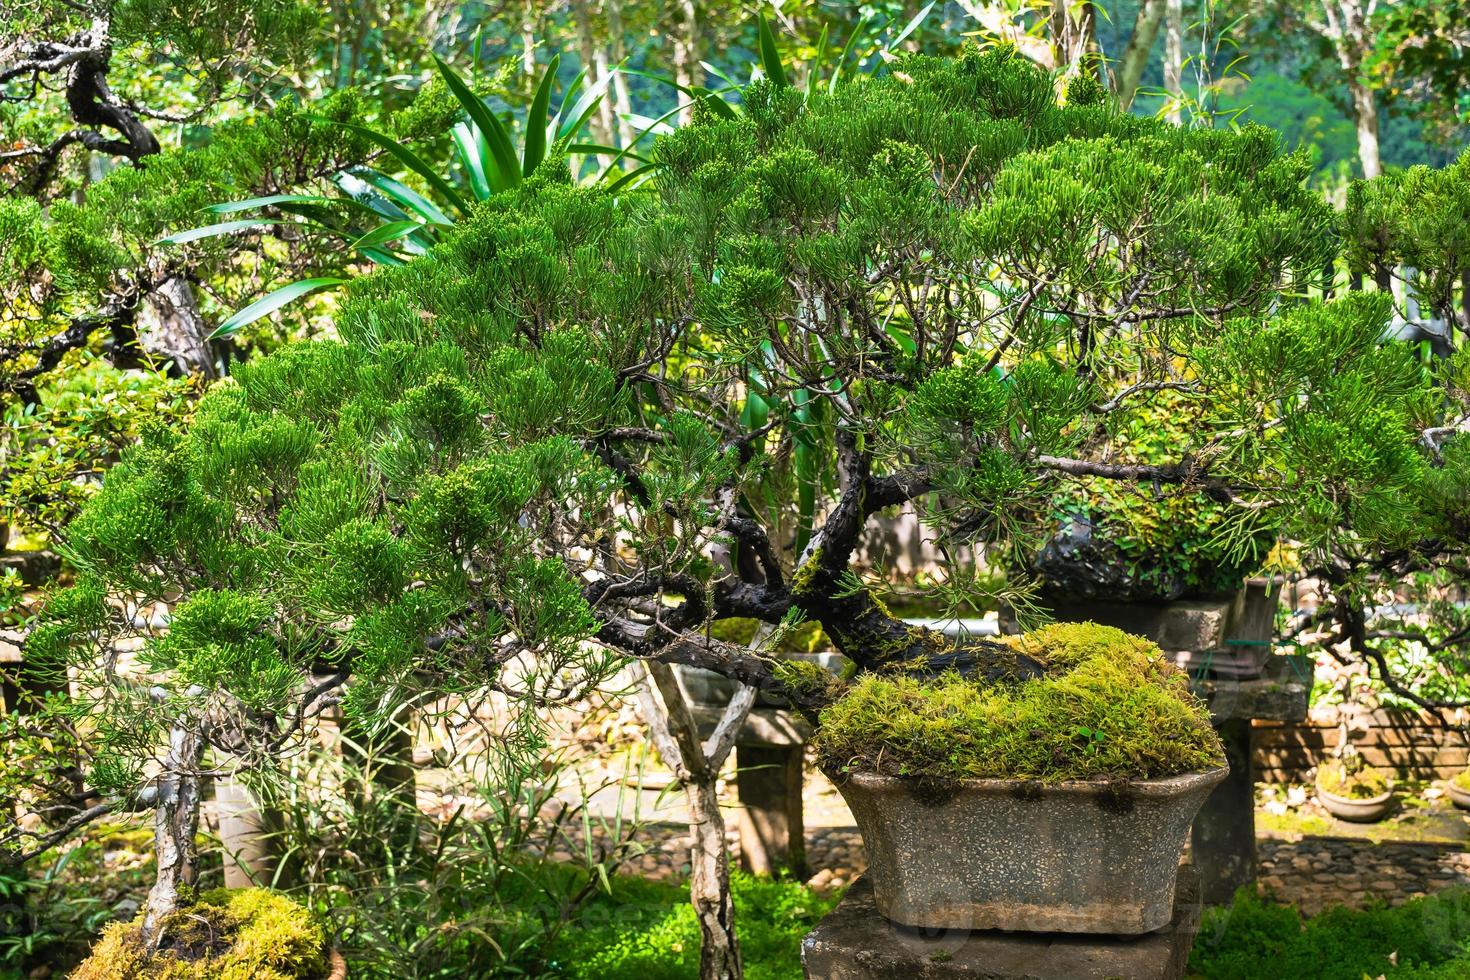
854,942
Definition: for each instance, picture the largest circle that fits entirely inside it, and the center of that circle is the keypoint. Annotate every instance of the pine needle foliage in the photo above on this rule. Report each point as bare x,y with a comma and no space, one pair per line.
589,425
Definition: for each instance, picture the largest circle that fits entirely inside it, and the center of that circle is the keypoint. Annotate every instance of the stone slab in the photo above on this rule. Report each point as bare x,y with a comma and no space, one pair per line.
854,942
1281,693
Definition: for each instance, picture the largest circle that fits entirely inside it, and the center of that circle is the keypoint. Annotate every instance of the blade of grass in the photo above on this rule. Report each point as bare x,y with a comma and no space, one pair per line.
538,119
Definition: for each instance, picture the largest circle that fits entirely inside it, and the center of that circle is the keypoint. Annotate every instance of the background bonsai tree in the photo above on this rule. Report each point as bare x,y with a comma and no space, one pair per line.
523,459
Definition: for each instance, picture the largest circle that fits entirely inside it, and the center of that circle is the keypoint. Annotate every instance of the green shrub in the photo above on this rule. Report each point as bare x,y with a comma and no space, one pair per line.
1425,939
1110,704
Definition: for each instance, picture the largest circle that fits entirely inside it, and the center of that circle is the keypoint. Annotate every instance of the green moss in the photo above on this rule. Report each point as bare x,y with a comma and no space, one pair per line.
1462,780
801,582
239,934
1351,778
1111,704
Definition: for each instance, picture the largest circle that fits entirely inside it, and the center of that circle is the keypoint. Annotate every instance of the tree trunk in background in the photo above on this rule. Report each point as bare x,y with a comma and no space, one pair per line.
675,735
1345,24
1174,59
528,37
1365,116
1140,46
175,823
687,71
622,101
1073,29
176,330
594,63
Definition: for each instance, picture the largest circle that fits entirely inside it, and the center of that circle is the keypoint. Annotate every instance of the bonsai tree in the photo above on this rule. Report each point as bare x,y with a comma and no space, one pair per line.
523,460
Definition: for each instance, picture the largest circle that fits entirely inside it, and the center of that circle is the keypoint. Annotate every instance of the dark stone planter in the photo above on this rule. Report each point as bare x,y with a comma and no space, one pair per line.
1077,857
1354,810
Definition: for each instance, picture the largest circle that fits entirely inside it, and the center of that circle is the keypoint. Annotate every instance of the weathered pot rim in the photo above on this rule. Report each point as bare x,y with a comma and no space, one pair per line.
1167,786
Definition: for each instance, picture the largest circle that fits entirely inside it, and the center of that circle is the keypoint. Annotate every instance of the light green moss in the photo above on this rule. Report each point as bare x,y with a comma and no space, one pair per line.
1110,705
1351,778
1463,780
239,934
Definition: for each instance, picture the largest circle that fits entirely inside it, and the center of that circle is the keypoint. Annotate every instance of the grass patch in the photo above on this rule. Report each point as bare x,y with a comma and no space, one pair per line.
1425,939
1111,704
646,931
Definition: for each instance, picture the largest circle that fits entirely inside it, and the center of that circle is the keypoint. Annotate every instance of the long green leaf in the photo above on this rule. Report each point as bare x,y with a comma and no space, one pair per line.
539,119
273,301
811,75
384,234
405,196
468,142
909,29
770,57
410,160
631,176
223,228
230,207
507,169
846,49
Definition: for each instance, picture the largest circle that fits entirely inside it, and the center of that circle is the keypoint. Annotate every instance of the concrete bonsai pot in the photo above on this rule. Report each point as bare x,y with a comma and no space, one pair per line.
1079,857
1054,801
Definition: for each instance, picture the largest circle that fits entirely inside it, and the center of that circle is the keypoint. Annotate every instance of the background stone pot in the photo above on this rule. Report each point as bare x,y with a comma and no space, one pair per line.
1458,796
1088,857
1369,809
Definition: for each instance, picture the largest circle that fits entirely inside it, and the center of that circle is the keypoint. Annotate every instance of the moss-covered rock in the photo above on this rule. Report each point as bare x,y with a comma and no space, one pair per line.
1110,705
226,934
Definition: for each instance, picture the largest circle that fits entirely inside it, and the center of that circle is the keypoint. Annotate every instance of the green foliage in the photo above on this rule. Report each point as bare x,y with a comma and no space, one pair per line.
1110,705
1416,218
647,931
239,934
1423,939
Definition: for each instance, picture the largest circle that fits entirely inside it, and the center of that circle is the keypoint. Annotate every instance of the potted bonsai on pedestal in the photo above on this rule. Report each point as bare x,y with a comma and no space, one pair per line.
1103,759
514,466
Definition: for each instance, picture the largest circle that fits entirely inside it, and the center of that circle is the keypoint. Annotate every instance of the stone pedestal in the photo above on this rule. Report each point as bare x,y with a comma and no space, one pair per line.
854,942
1223,841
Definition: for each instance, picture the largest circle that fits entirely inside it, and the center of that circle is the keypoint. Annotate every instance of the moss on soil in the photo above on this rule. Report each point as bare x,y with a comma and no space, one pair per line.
1111,706
1353,781
1463,780
226,934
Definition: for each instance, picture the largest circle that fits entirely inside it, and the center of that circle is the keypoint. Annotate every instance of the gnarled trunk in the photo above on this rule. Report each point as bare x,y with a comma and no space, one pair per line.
175,823
697,765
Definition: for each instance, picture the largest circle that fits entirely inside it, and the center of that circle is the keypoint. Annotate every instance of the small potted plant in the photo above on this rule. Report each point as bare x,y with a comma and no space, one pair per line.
1055,803
1352,790
1459,790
